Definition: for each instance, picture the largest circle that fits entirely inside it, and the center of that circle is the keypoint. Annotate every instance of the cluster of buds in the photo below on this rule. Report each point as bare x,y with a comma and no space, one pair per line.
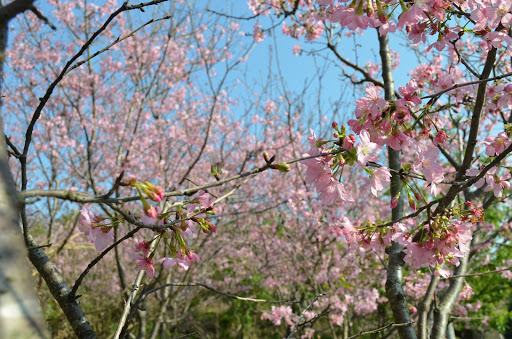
206,226
153,192
344,140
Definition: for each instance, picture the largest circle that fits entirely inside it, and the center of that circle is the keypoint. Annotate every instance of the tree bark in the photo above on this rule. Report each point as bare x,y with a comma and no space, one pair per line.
20,312
60,291
394,290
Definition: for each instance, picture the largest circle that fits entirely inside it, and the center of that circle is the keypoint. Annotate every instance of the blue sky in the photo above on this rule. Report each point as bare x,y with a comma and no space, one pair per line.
298,69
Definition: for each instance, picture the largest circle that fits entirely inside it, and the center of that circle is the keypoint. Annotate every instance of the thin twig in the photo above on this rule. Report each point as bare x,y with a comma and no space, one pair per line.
40,246
229,295
296,326
479,274
380,329
118,40
467,84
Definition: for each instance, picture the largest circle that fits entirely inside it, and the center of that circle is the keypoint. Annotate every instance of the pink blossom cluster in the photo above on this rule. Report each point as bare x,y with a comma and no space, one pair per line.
492,179
443,243
386,121
145,261
100,232
418,19
320,174
426,163
278,314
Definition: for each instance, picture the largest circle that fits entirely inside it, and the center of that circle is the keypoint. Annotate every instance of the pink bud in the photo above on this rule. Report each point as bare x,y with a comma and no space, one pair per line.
349,141
150,211
394,203
160,191
193,257
153,196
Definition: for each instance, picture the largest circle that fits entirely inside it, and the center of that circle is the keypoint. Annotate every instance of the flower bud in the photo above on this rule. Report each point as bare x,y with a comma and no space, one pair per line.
150,211
417,195
412,203
132,181
283,167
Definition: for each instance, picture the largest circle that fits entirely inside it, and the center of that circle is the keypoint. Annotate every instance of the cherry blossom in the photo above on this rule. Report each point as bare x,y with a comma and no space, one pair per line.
379,179
145,263
496,145
366,150
427,164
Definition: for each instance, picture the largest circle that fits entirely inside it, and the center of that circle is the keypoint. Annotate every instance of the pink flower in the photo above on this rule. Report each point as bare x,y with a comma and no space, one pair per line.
204,199
258,33
181,261
193,257
496,38
496,145
418,256
497,183
440,138
103,236
86,221
318,170
473,172
366,150
152,220
333,191
426,164
402,114
145,264
143,246
96,228
297,49
397,140
443,272
313,140
494,15
412,16
394,203
349,141
375,103
357,126
379,178
352,235
409,97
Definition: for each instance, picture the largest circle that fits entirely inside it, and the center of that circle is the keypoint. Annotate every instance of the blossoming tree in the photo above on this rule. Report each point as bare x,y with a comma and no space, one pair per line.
125,97
451,105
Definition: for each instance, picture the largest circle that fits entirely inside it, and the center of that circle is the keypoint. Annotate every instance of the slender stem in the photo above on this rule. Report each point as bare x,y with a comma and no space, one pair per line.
128,304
